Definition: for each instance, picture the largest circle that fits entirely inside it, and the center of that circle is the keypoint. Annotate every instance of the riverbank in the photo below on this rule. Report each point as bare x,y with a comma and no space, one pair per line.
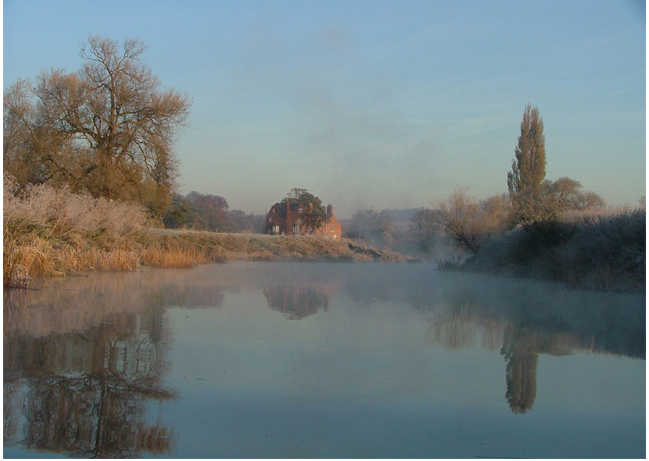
39,256
54,232
601,252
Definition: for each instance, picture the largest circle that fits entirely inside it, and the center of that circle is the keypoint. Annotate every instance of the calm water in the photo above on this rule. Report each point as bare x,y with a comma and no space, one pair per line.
321,360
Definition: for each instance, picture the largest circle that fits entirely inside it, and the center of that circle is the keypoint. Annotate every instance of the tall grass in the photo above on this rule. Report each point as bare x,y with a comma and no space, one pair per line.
49,231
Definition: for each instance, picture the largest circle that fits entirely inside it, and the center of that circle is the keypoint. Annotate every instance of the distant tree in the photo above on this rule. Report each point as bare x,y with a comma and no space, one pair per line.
552,201
528,168
387,229
316,214
108,129
239,221
364,225
569,195
207,212
177,213
424,226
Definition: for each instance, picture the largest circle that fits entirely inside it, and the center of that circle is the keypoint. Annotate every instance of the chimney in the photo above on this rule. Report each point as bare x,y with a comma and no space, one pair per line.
330,210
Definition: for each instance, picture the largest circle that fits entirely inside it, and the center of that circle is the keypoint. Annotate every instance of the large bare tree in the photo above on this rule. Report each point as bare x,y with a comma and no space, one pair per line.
108,128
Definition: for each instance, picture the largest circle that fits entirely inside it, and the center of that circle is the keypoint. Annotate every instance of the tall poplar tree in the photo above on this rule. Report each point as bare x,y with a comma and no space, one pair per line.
528,168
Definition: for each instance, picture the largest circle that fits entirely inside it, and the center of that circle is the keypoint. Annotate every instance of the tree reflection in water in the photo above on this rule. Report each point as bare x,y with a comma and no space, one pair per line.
82,365
83,391
520,351
523,319
526,330
545,321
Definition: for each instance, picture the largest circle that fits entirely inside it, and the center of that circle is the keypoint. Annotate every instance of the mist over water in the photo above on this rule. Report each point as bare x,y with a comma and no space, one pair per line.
322,360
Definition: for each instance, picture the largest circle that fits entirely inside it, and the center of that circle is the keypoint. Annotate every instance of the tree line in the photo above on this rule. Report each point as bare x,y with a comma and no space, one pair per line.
109,130
533,203
208,212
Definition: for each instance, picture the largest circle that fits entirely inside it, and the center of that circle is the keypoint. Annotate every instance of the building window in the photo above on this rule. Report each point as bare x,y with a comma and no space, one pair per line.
273,210
299,210
270,219
310,228
296,228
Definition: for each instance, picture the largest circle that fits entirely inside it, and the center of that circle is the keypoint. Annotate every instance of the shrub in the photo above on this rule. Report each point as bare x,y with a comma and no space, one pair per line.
468,222
602,250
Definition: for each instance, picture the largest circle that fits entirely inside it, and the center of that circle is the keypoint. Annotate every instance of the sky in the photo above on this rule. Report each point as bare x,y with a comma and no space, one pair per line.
383,104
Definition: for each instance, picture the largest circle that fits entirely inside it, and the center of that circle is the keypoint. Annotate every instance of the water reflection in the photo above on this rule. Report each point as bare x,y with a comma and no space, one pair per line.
523,319
85,359
520,349
78,376
297,301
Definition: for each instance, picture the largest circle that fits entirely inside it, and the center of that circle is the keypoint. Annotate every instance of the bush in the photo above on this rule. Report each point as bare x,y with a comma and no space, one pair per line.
608,251
602,250
468,222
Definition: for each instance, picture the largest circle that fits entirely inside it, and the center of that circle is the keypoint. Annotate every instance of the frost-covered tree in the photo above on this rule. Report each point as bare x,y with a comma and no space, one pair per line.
528,168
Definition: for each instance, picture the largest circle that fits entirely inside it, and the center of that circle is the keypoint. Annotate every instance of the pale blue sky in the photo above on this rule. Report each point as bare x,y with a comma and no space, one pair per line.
367,103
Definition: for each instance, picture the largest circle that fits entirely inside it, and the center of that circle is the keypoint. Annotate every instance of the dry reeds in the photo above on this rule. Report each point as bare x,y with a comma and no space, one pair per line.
48,231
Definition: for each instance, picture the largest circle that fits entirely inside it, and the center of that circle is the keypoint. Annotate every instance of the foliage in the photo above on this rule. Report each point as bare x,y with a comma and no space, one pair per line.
209,212
373,227
363,225
600,249
528,168
108,129
316,214
468,222
52,231
528,171
177,213
552,201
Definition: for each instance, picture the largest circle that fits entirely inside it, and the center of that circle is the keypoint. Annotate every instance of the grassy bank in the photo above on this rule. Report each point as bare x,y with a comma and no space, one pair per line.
604,250
53,232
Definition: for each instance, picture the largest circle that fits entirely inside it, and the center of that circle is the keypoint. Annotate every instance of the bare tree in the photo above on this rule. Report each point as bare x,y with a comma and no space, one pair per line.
108,129
469,222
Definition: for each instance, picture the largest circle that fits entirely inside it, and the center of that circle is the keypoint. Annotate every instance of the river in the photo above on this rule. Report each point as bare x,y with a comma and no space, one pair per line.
321,360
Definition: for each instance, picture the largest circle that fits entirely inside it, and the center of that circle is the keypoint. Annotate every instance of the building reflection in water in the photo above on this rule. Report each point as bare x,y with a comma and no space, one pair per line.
82,389
554,323
299,300
82,366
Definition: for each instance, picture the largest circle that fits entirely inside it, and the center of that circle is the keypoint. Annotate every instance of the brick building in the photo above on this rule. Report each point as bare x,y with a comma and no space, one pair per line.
287,219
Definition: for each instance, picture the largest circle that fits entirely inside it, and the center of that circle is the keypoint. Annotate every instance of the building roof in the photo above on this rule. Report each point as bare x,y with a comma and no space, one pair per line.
282,207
